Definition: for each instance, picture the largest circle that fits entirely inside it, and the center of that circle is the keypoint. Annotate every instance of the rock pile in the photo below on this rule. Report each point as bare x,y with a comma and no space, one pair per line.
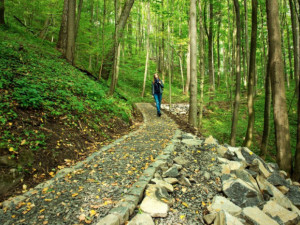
177,109
257,192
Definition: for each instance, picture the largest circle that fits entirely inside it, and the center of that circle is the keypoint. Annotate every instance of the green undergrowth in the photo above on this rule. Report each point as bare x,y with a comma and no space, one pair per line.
37,82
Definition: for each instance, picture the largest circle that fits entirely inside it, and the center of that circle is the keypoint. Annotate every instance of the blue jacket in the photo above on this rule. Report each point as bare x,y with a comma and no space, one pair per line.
161,87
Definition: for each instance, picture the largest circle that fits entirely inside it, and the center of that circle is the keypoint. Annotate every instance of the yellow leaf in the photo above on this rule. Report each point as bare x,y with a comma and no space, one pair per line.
213,159
23,142
92,212
11,149
48,200
182,217
185,204
81,217
51,174
13,216
42,210
251,153
74,195
203,203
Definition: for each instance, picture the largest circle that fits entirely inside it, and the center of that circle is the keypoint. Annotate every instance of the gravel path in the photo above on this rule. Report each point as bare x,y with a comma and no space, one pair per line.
94,187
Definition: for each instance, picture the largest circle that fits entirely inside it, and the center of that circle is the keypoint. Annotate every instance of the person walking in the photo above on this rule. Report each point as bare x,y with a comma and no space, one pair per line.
157,90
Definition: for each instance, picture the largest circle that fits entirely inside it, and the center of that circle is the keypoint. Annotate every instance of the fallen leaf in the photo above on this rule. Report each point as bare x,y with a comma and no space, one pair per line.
92,212
23,142
82,217
48,200
185,204
182,217
74,195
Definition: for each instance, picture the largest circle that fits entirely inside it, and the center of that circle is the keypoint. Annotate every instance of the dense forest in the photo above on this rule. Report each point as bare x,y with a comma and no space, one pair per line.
236,63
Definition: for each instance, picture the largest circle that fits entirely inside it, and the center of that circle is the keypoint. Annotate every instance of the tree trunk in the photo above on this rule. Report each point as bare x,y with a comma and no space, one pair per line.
193,66
107,63
148,47
282,132
2,10
211,53
70,51
102,38
251,76
44,31
295,44
238,76
78,18
181,72
202,66
246,38
63,32
91,38
267,112
188,70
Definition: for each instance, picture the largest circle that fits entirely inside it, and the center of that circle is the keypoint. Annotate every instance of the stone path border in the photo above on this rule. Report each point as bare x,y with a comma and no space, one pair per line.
63,172
125,208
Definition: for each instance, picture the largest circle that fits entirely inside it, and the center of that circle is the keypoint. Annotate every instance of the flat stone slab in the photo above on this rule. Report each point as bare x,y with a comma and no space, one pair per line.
142,219
220,203
225,218
280,214
154,207
255,216
109,220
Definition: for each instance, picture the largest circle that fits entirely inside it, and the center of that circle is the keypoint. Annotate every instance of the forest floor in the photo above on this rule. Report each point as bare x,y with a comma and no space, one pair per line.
94,186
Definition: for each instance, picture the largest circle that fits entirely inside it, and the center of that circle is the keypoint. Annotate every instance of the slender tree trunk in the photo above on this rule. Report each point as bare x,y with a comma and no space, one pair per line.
63,32
107,63
70,51
295,43
148,47
181,72
44,31
251,75
90,42
202,66
267,112
193,67
2,10
188,70
102,38
238,76
282,132
218,50
211,52
246,37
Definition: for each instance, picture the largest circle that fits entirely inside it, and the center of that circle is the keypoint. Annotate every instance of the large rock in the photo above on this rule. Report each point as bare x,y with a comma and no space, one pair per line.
224,218
172,172
181,160
171,180
247,177
164,184
154,207
160,194
260,168
277,196
142,219
220,203
277,180
253,215
6,160
294,195
280,214
241,193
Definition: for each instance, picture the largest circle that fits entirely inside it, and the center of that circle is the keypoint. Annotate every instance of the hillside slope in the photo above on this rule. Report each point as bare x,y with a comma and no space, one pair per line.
51,114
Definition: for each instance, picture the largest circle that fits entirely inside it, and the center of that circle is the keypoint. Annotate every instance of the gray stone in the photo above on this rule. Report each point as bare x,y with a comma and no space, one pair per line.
188,136
224,218
254,215
276,195
179,167
8,181
209,218
158,163
192,142
122,212
210,141
142,219
172,172
137,189
171,180
206,175
220,203
109,220
280,214
150,171
130,205
246,176
277,180
283,189
162,157
184,181
157,176
131,198
222,150
164,184
241,193
283,174
260,168
154,207
294,195
181,160
159,193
